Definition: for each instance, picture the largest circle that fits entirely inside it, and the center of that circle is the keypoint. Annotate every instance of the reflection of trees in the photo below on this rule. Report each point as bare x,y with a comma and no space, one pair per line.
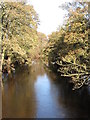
76,103
36,70
19,96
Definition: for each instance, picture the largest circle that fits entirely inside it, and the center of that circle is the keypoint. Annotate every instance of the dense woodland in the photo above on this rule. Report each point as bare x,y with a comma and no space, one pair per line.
21,43
66,51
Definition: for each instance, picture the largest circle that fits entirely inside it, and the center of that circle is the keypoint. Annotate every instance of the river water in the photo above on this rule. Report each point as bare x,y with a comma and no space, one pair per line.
37,92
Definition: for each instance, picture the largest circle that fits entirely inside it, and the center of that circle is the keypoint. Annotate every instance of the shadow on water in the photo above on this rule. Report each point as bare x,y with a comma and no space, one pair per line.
36,92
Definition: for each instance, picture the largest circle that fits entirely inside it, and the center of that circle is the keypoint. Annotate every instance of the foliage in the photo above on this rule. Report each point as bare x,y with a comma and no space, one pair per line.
42,41
68,50
19,33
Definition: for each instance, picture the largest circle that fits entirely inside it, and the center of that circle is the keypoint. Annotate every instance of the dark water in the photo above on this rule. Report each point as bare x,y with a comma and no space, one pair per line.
38,93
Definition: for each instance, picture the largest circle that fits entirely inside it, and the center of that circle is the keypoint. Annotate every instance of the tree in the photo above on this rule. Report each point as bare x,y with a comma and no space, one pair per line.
19,33
68,49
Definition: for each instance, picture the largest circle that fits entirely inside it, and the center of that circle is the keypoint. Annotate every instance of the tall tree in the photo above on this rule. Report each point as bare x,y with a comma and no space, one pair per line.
68,49
19,32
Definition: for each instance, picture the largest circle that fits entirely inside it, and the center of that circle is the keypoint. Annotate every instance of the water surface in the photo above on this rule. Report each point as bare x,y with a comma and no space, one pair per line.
37,92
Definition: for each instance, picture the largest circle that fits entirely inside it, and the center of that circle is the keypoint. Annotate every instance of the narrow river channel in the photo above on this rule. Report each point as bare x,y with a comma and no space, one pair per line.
37,92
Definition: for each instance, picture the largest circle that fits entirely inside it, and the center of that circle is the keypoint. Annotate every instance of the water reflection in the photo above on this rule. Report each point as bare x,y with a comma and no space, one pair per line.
76,104
37,92
19,96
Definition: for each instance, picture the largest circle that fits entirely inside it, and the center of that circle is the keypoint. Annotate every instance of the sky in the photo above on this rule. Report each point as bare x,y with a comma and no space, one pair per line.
50,15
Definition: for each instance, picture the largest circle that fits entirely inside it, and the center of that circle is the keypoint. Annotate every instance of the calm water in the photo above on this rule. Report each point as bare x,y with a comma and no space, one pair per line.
38,93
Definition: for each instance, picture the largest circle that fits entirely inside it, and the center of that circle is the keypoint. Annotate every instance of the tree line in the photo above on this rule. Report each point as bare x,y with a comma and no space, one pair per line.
68,49
20,40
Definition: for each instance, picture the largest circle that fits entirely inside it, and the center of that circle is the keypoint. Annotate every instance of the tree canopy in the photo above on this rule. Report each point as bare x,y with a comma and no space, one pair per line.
20,39
68,50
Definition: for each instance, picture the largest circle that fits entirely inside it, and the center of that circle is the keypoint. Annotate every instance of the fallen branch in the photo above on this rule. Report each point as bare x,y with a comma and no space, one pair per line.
76,74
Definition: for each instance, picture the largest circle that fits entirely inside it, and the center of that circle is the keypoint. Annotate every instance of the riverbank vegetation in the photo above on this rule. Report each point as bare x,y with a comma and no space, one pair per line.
68,49
20,39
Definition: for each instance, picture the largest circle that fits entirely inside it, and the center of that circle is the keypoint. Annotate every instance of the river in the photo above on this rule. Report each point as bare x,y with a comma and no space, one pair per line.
37,92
